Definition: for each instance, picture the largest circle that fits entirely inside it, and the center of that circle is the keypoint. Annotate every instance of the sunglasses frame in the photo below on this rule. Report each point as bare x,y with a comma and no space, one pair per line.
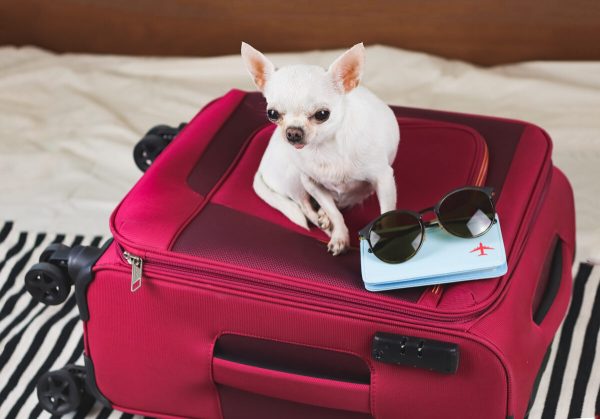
365,233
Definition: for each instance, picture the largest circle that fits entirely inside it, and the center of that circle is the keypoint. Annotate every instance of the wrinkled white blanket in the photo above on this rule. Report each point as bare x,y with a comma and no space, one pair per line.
68,123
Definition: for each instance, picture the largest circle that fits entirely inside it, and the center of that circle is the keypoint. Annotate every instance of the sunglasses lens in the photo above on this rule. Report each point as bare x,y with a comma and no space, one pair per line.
467,213
396,237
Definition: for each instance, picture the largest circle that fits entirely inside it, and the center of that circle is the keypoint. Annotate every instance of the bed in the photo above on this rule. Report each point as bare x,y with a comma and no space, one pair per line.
69,121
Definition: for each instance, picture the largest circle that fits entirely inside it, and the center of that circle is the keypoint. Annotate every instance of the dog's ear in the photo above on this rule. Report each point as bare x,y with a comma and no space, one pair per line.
258,65
347,70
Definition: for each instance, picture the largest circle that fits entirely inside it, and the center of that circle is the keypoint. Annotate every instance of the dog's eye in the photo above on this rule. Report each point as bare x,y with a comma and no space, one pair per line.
322,115
273,115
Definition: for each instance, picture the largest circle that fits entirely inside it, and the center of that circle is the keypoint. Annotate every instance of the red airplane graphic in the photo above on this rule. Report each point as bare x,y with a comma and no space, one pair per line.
482,249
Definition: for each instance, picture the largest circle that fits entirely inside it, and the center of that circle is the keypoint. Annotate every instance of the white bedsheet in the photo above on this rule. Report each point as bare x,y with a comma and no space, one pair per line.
68,123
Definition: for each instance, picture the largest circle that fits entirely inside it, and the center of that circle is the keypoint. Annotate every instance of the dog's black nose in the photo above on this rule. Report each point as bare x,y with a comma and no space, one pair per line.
294,134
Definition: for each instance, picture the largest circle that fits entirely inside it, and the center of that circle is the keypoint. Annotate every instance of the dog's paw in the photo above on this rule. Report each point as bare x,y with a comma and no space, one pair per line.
324,221
338,244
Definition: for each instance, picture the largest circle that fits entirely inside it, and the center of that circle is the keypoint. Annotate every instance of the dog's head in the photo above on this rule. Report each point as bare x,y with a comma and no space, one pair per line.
305,101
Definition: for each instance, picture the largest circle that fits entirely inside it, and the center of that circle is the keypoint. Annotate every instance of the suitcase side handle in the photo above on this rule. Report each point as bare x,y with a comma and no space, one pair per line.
549,282
297,388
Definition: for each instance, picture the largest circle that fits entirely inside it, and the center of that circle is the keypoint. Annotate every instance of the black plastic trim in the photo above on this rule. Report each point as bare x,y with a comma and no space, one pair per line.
428,354
553,283
90,381
81,262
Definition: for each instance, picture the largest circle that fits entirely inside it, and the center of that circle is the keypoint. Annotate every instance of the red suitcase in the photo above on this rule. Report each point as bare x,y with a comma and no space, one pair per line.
210,304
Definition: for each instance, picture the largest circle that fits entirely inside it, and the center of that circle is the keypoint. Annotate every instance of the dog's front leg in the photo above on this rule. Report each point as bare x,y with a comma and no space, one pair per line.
340,237
385,187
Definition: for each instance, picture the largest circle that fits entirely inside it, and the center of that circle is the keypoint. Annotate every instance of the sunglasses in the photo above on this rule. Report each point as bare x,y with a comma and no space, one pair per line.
396,236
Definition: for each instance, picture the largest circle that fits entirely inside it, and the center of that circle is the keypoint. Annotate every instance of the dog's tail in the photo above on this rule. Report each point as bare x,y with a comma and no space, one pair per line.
288,207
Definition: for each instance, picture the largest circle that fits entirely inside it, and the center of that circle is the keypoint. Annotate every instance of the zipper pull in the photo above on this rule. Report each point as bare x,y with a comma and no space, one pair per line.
431,296
137,264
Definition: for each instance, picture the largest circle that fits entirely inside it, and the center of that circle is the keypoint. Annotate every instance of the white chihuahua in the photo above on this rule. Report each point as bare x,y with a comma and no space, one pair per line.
335,142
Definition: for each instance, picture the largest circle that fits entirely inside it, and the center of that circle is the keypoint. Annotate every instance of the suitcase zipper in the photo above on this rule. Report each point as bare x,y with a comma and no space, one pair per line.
137,267
137,264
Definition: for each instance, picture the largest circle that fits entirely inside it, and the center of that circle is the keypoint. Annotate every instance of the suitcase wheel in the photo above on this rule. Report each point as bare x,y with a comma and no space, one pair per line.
48,283
153,143
166,131
148,149
163,131
60,267
51,250
62,391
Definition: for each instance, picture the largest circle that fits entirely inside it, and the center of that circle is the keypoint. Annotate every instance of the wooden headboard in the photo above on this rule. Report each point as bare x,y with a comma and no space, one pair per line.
484,32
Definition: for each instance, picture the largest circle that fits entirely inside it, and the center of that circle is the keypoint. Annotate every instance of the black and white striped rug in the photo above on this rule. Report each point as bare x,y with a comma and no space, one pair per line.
35,338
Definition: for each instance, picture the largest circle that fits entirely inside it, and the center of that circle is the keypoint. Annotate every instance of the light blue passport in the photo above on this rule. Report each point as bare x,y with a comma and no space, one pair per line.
443,258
